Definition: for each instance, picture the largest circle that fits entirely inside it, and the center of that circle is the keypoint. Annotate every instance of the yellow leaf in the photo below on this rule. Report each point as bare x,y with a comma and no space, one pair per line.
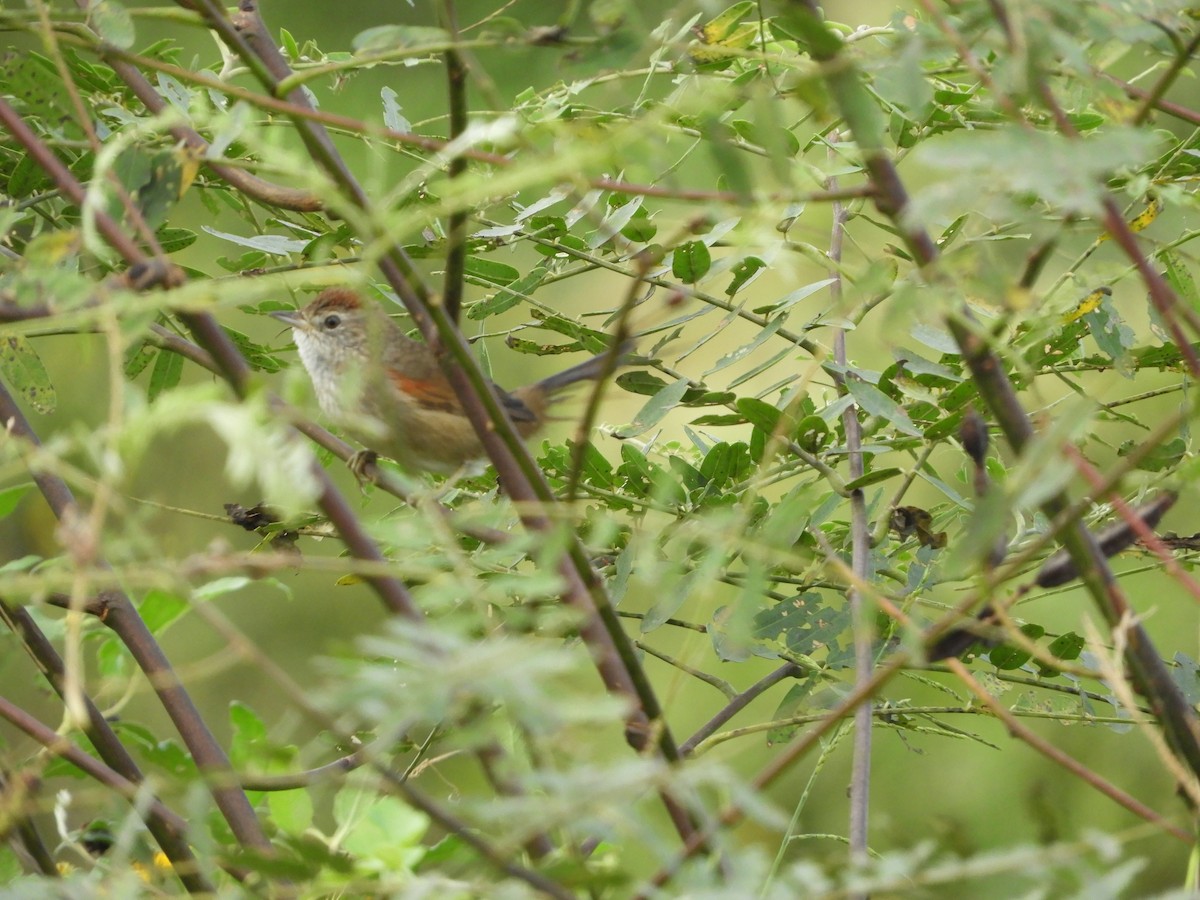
1088,304
716,30
52,247
1142,220
189,166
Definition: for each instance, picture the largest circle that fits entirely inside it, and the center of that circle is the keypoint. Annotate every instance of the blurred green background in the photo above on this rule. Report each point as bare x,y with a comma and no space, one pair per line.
927,786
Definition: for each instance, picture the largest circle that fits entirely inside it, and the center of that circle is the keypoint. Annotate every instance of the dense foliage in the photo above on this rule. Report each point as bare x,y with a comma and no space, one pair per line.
915,324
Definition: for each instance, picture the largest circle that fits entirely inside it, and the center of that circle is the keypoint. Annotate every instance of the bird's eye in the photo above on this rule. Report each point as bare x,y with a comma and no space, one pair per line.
332,321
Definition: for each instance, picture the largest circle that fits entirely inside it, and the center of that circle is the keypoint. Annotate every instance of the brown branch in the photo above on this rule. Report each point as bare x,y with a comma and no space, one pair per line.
263,191
1183,113
456,229
1155,94
301,697
121,616
737,704
1072,765
613,652
1150,675
61,747
16,791
432,144
794,751
173,841
860,552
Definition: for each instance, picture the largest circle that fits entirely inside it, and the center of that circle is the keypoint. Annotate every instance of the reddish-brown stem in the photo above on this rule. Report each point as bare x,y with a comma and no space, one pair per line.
123,619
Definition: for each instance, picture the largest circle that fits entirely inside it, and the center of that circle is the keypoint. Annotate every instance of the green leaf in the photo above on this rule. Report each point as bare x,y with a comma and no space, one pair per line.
168,368
874,401
383,829
26,179
644,383
1165,456
258,356
669,601
1065,647
1057,169
1186,675
794,297
1006,657
641,229
219,587
812,433
655,408
275,244
490,271
614,222
137,358
719,27
726,462
508,297
382,38
691,262
112,22
792,704
173,239
636,469
873,477
1111,334
10,498
1179,277
393,118
159,609
744,272
291,810
759,413
23,370
763,335
288,43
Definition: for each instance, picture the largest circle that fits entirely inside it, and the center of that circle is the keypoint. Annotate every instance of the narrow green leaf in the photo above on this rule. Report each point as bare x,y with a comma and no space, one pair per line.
614,223
874,401
872,478
390,37
655,408
763,335
288,43
490,271
168,368
794,297
508,297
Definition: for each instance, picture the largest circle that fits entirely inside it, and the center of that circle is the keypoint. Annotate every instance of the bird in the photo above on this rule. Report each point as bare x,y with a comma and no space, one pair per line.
390,393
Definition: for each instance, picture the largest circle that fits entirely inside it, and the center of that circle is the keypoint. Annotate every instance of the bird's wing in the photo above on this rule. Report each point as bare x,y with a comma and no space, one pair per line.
435,393
430,393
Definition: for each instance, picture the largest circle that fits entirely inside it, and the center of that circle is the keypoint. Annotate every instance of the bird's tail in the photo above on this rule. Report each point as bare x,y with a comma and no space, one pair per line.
588,370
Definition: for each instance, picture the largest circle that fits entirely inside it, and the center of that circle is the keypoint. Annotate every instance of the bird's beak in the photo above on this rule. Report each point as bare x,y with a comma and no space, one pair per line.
288,317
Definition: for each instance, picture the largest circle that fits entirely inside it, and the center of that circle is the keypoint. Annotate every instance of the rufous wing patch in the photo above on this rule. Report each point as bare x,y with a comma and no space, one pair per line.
428,393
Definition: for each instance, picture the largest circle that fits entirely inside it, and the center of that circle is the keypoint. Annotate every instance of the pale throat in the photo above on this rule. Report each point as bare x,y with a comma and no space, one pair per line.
328,368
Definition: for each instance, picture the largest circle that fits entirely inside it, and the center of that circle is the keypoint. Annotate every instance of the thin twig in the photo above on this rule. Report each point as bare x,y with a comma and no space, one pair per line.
737,704
456,228
860,550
